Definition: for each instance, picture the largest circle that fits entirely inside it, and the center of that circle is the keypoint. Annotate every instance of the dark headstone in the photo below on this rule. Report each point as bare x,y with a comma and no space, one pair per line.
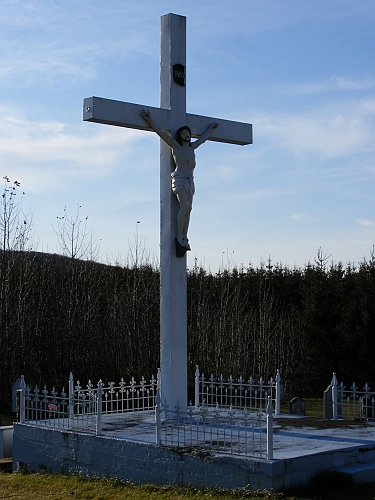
297,406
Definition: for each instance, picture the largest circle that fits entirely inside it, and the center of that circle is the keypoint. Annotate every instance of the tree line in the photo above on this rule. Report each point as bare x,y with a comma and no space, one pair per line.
63,313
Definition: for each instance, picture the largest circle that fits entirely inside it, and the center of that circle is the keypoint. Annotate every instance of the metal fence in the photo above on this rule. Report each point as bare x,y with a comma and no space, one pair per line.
237,393
351,403
57,410
229,416
225,430
82,407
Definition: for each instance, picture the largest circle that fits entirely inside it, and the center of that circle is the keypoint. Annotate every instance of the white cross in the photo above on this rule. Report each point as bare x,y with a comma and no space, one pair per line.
169,117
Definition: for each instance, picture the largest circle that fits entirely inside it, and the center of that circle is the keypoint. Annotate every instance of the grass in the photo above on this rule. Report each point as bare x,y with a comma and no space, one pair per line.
314,407
7,418
22,486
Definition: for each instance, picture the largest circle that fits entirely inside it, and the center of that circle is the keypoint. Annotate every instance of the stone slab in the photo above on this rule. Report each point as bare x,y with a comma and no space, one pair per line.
359,473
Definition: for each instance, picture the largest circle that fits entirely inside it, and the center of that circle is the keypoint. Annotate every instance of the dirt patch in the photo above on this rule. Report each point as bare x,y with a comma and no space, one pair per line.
320,423
191,451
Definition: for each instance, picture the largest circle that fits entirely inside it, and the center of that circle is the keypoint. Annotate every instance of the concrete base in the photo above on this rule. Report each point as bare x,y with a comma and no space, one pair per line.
39,449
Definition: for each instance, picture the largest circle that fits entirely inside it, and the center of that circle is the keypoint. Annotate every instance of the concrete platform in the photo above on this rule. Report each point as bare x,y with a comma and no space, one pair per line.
304,449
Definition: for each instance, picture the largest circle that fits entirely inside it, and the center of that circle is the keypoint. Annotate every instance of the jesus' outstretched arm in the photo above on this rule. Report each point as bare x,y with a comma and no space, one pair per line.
163,135
203,138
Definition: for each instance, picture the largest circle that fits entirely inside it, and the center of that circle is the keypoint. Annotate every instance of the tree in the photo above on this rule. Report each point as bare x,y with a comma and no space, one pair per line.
75,238
15,238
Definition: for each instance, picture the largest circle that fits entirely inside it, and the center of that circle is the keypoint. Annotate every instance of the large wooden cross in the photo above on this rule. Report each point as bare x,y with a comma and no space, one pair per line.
169,117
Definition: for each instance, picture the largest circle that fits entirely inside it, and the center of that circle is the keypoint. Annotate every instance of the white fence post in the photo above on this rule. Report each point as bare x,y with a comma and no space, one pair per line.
278,392
22,399
197,374
269,412
71,395
158,418
334,397
99,401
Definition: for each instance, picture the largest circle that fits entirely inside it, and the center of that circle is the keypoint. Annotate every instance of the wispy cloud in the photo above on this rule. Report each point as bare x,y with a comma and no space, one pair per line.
298,217
333,84
57,44
58,153
367,223
325,132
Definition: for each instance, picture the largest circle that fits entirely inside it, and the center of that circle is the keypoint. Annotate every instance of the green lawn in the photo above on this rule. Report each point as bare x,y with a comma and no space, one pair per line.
44,486
314,407
7,418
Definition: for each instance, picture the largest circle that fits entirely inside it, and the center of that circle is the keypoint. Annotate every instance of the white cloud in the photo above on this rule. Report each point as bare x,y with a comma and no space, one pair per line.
367,223
298,217
49,154
326,132
370,105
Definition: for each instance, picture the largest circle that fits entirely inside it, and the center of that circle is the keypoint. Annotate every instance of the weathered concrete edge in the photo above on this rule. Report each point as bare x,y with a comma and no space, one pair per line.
39,449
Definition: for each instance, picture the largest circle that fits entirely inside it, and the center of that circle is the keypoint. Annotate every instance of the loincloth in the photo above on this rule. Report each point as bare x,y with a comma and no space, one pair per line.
180,181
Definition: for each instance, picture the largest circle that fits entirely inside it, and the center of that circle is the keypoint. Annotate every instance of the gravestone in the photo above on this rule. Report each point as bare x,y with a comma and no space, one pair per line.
297,406
169,118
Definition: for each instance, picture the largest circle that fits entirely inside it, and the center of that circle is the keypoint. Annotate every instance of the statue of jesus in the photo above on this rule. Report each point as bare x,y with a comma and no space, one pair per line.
182,178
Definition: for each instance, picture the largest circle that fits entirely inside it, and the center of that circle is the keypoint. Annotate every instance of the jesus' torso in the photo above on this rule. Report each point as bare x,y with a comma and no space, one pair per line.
184,158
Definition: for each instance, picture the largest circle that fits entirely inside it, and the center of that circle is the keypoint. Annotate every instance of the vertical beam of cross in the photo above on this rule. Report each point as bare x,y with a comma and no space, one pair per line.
173,280
170,116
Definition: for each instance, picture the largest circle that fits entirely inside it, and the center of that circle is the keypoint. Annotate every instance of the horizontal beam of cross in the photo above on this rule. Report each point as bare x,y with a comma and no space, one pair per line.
126,114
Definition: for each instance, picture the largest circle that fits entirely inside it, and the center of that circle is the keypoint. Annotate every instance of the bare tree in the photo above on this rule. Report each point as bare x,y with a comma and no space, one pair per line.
75,238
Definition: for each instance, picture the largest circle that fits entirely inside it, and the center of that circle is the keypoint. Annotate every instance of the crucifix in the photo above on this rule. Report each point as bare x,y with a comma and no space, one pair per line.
166,121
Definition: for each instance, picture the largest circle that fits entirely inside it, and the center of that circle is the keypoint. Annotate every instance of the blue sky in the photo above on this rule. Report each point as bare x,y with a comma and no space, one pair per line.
301,72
